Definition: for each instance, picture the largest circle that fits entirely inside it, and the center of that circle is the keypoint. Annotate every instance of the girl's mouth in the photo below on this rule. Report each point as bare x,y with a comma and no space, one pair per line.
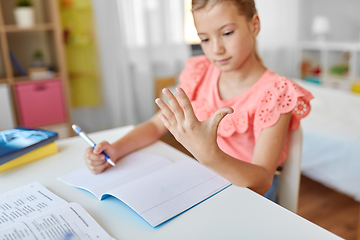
223,61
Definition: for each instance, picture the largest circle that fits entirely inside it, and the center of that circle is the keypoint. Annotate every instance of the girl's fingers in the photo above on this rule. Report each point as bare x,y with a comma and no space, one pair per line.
98,169
165,122
166,111
96,162
174,105
93,159
219,115
186,104
101,147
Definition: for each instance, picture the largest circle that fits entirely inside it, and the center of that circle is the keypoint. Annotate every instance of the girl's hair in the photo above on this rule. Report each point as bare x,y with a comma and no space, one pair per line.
246,8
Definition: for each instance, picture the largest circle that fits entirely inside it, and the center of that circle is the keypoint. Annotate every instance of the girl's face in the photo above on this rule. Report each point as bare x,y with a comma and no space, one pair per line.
227,38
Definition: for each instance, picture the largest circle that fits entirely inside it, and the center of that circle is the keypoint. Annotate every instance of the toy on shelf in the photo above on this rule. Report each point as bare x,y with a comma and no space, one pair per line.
310,73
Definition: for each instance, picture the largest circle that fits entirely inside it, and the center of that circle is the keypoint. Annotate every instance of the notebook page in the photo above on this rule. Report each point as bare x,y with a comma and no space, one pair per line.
166,193
26,202
67,222
131,167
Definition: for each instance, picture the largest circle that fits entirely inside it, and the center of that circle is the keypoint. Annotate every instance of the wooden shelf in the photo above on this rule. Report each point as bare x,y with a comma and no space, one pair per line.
50,43
21,79
331,46
37,27
82,74
26,78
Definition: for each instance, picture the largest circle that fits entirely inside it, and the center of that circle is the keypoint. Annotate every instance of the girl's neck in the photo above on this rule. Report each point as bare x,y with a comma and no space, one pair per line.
245,75
236,82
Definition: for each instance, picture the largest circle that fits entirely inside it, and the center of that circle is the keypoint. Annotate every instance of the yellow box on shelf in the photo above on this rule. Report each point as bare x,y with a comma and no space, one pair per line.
34,155
356,87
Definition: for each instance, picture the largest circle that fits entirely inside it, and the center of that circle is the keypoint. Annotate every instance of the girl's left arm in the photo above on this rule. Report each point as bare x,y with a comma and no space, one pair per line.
259,174
199,138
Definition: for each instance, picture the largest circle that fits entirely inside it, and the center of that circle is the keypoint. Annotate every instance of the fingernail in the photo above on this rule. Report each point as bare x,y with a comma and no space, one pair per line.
165,91
157,101
178,91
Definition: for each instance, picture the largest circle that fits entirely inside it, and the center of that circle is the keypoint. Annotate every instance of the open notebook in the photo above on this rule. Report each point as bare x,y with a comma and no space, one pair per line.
154,187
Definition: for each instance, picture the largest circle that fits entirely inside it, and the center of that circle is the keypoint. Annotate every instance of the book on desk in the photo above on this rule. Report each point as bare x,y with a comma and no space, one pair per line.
22,145
153,186
33,212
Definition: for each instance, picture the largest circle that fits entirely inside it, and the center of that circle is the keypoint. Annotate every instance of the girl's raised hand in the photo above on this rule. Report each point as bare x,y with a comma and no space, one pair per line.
198,137
96,161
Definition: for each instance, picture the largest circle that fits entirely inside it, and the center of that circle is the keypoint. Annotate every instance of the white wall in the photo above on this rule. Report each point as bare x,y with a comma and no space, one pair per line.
344,18
277,41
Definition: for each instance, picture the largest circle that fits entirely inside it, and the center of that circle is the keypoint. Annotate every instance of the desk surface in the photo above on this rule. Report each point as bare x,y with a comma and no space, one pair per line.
234,213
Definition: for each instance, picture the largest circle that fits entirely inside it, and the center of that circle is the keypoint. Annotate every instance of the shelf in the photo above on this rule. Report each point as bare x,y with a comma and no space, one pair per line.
331,46
37,27
332,77
82,74
21,79
44,35
27,79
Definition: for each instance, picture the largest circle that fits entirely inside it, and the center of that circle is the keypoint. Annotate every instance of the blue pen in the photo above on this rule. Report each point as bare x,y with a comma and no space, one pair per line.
68,236
82,134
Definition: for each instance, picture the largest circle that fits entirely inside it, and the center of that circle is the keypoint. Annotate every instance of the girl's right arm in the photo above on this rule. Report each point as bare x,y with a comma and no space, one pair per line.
141,136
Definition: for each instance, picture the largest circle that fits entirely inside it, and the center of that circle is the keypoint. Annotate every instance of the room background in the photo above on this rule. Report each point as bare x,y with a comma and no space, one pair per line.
142,40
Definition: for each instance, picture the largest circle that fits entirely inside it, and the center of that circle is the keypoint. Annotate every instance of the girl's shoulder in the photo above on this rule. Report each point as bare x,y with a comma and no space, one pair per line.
193,73
261,108
275,89
279,95
195,66
196,61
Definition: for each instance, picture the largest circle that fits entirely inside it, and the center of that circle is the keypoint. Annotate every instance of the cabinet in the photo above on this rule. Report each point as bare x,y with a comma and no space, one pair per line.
35,103
332,64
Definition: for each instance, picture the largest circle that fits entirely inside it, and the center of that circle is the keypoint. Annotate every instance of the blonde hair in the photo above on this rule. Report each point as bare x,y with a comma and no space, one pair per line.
246,8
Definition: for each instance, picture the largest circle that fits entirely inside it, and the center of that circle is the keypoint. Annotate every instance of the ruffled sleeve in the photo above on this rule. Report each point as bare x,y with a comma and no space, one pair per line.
282,96
193,73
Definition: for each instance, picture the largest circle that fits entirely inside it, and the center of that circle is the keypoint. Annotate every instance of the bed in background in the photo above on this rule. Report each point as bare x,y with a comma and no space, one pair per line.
331,139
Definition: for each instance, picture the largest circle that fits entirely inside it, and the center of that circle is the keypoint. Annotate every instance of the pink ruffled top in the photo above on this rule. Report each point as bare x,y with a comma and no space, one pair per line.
257,108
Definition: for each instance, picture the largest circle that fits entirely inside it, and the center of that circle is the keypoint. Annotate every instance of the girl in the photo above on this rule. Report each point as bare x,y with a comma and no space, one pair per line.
230,112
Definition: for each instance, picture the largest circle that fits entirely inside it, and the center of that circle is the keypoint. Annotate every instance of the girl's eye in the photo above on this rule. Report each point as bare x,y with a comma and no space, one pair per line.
228,33
204,40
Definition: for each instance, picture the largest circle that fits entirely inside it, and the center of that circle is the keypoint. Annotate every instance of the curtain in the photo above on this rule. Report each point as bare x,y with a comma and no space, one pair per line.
279,35
139,41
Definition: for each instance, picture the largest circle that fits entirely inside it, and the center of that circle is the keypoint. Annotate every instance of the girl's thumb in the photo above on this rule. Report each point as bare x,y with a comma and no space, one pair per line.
219,115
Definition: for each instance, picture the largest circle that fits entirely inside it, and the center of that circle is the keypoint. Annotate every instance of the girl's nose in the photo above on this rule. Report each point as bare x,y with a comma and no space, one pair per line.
218,47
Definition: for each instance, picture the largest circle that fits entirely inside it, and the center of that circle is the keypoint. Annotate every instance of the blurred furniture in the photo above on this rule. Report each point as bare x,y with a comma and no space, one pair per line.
359,227
331,142
165,82
289,185
333,64
33,100
81,52
234,213
6,109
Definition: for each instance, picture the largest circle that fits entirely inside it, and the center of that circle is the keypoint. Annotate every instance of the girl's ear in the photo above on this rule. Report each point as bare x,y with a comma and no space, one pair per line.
255,25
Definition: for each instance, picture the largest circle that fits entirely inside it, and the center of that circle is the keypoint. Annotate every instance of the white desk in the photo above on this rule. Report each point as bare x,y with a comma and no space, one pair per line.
234,213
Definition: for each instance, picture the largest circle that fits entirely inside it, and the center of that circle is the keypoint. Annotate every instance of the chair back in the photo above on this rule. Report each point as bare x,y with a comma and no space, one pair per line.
289,184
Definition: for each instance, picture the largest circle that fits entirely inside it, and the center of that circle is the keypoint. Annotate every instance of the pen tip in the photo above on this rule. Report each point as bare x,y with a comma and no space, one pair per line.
111,162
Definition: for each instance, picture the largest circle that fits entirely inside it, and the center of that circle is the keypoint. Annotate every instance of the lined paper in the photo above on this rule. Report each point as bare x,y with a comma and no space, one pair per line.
154,187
